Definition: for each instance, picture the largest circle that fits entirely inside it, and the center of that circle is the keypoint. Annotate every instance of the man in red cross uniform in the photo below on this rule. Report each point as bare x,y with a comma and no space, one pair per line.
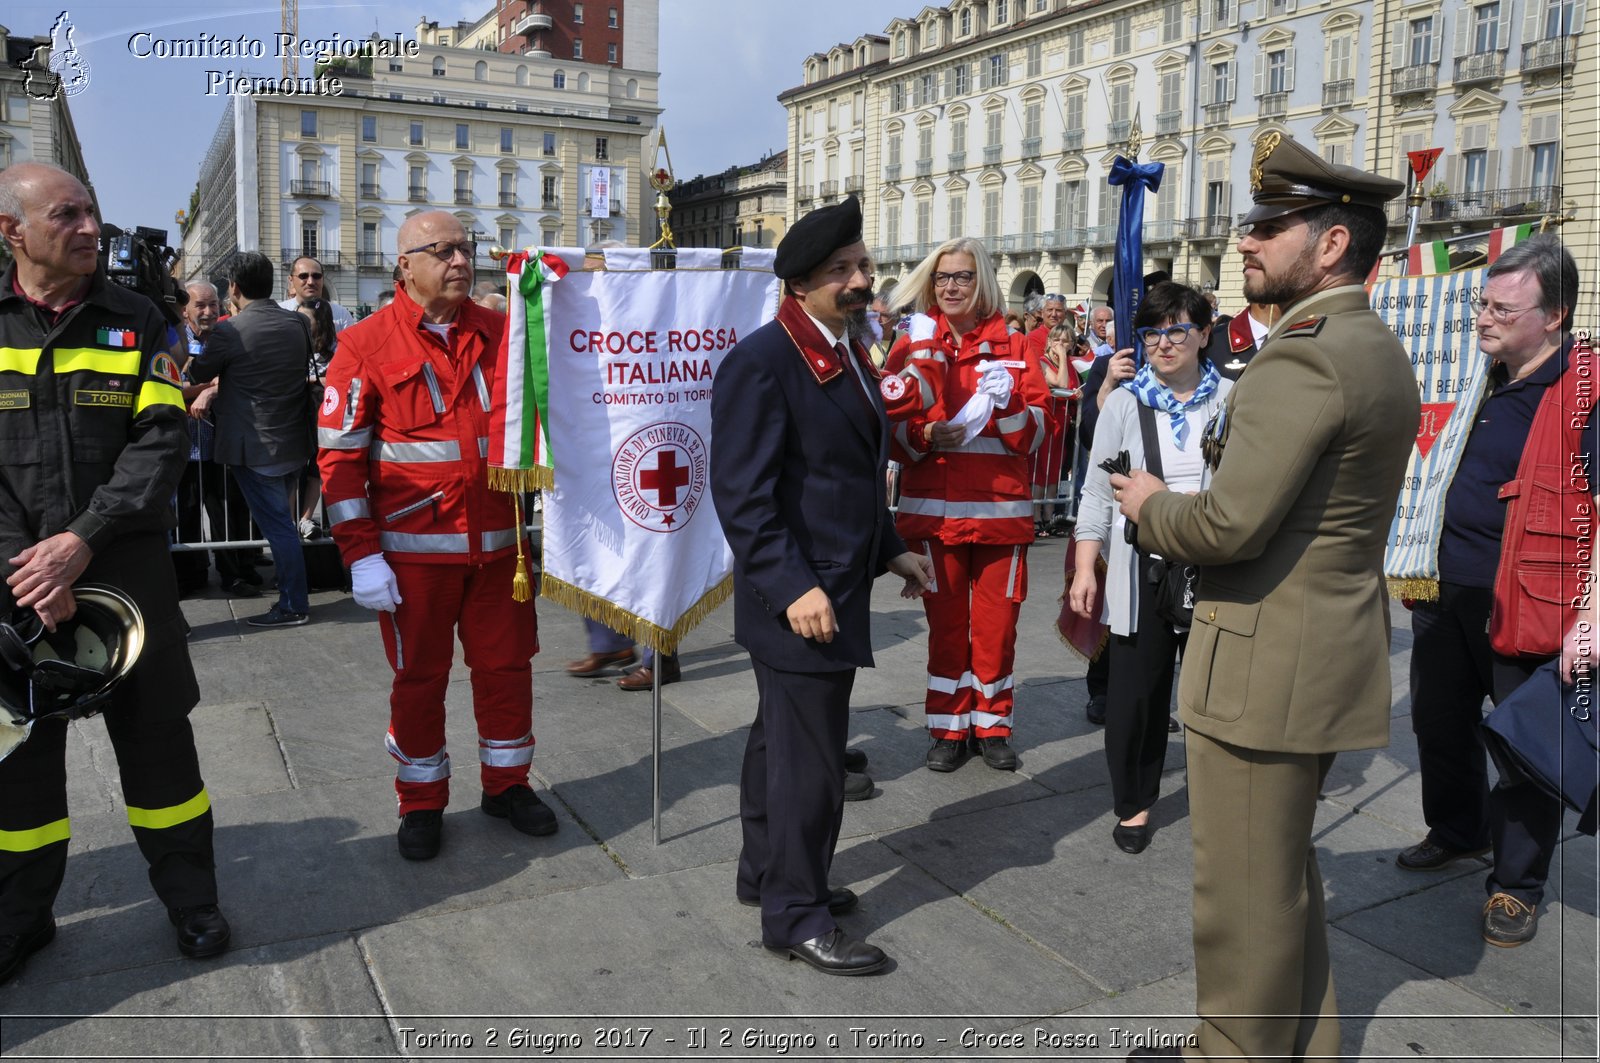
404,429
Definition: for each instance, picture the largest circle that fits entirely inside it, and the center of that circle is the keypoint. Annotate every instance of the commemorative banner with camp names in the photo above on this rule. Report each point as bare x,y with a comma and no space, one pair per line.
1434,318
630,535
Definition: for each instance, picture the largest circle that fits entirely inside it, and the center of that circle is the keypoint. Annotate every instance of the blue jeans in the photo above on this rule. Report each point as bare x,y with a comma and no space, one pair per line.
268,499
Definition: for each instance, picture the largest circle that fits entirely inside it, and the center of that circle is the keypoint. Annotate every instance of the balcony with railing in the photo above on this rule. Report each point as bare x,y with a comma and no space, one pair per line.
310,188
371,260
1072,140
993,153
534,22
508,199
329,259
1476,69
805,193
1494,205
829,189
891,172
1274,104
854,184
1553,53
1169,123
1216,114
957,161
370,191
1212,227
1338,94
464,197
1068,241
1117,132
924,167
1409,80
1032,147
417,193
1101,236
1165,231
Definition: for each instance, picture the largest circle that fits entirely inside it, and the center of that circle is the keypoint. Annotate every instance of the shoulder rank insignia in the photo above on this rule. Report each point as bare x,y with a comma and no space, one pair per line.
1309,327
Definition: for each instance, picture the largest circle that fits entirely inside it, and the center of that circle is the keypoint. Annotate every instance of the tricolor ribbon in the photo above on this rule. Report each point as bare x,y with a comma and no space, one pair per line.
519,446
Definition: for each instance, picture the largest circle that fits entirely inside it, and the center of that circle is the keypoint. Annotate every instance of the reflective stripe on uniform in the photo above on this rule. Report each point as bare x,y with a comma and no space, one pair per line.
21,360
333,439
989,719
26,841
88,359
1011,577
944,685
418,769
938,507
980,445
506,753
160,818
941,722
483,446
417,453
157,393
1015,423
446,542
927,392
483,386
349,509
499,540
990,690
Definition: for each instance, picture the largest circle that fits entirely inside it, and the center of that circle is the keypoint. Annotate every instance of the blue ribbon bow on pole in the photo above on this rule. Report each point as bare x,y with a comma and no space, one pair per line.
1128,276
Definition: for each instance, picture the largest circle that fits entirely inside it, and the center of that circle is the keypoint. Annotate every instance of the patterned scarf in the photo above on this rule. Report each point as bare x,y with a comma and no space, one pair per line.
1148,389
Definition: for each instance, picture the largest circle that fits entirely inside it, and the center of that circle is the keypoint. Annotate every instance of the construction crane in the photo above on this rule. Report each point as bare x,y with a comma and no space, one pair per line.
291,29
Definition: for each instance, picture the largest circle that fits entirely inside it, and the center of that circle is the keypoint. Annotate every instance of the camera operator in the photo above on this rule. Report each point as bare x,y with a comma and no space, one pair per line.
92,445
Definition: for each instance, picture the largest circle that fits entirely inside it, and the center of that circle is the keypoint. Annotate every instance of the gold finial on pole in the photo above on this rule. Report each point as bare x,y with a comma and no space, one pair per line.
661,179
1135,137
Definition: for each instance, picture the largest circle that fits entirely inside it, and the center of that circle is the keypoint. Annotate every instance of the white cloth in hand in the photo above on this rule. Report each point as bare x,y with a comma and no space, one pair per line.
922,327
373,585
995,381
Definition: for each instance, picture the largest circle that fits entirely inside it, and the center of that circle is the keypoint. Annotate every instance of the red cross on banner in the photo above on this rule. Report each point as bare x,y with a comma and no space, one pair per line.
665,478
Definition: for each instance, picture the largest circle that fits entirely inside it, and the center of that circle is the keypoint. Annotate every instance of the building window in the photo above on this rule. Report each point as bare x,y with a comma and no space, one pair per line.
600,147
1475,170
438,66
1121,103
1000,12
891,224
1485,28
611,53
959,84
958,135
559,79
1421,32
991,214
1035,59
1222,83
1075,48
1030,209
1172,21
897,97
1074,108
1277,71
1122,35
549,143
369,180
1558,18
611,19
995,68
1032,120
416,132
577,48
1338,154
994,125
369,241
508,237
396,66
966,22
463,138
899,45
480,71
308,239
1171,92
369,128
930,35
925,143
308,123
924,221
1546,165
958,213
547,192
1340,49
894,151
577,13
463,186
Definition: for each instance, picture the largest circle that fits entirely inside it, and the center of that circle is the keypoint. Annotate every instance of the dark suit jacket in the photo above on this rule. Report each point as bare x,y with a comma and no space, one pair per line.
262,410
797,476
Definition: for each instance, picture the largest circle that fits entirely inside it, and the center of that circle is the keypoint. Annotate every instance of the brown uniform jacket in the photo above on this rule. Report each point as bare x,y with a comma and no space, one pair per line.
1289,650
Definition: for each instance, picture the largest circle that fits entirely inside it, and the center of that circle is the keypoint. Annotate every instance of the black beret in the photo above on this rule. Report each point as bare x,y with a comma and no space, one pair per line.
1285,177
814,237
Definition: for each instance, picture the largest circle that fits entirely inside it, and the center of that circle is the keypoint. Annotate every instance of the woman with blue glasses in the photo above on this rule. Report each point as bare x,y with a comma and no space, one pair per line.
1157,418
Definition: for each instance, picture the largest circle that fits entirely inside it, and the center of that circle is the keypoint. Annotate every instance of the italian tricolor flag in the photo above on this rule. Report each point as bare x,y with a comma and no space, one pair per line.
116,337
1427,258
519,446
1501,239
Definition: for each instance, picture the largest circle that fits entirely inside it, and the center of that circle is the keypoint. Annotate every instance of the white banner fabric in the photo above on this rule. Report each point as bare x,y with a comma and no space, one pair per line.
630,534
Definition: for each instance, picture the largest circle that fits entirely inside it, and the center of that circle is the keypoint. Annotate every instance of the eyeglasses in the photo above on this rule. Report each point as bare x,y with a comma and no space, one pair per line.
309,276
444,251
961,278
1176,333
1500,315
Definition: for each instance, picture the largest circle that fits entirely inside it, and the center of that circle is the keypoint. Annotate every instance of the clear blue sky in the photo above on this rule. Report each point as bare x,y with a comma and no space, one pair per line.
145,124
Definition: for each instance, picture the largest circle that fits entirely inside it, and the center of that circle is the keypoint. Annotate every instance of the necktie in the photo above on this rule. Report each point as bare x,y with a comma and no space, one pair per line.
860,386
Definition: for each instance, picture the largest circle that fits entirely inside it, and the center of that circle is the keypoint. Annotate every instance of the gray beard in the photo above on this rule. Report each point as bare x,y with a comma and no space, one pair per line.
856,325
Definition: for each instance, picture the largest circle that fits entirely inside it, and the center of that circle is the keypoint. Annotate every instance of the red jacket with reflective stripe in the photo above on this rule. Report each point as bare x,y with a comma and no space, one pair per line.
403,430
980,492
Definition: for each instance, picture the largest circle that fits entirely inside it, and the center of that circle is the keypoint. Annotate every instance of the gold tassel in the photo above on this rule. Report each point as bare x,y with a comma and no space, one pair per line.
521,585
1416,588
521,481
637,628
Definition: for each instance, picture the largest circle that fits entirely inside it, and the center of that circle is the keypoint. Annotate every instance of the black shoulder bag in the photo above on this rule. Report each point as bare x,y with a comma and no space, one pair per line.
1172,582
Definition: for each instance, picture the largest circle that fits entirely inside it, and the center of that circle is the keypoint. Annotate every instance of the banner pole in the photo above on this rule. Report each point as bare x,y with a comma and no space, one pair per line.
655,740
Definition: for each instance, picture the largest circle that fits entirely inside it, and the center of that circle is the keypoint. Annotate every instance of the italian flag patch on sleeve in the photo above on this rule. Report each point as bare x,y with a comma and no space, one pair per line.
117,337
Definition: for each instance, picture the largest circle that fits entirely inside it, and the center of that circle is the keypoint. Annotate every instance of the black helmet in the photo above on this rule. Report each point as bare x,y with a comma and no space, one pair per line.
70,672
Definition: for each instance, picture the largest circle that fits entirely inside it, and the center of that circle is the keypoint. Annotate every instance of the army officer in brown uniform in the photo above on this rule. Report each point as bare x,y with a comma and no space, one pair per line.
1288,659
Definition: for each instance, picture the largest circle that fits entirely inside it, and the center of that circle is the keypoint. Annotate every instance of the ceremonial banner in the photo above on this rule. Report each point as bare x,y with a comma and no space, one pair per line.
1428,258
519,449
1128,269
1434,318
630,535
1501,240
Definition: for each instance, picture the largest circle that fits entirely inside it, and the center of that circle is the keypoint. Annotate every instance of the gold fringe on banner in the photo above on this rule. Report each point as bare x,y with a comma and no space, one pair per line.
1419,590
637,628
537,478
1099,648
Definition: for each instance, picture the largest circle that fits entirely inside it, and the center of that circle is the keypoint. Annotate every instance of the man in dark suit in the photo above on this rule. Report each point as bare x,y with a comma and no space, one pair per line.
798,451
263,420
1309,453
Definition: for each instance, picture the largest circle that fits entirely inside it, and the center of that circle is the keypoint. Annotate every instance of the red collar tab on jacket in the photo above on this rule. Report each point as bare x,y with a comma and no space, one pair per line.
469,315
1241,337
819,355
1309,327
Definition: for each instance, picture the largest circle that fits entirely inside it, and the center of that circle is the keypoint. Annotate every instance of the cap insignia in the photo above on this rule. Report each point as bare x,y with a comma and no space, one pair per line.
1264,148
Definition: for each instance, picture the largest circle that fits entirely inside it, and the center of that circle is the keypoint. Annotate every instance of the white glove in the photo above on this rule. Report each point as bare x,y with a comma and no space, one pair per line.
997,382
922,327
373,585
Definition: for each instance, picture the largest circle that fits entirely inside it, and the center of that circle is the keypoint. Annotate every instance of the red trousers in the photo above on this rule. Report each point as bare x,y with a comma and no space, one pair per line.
498,638
972,635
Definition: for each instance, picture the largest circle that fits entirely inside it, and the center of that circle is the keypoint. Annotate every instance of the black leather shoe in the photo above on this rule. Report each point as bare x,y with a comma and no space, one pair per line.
948,754
857,787
16,948
1096,711
836,953
1131,840
841,899
855,760
1508,922
523,807
419,833
1428,856
1173,726
202,931
996,752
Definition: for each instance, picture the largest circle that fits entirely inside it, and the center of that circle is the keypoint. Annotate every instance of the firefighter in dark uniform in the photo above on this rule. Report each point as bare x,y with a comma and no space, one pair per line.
92,444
